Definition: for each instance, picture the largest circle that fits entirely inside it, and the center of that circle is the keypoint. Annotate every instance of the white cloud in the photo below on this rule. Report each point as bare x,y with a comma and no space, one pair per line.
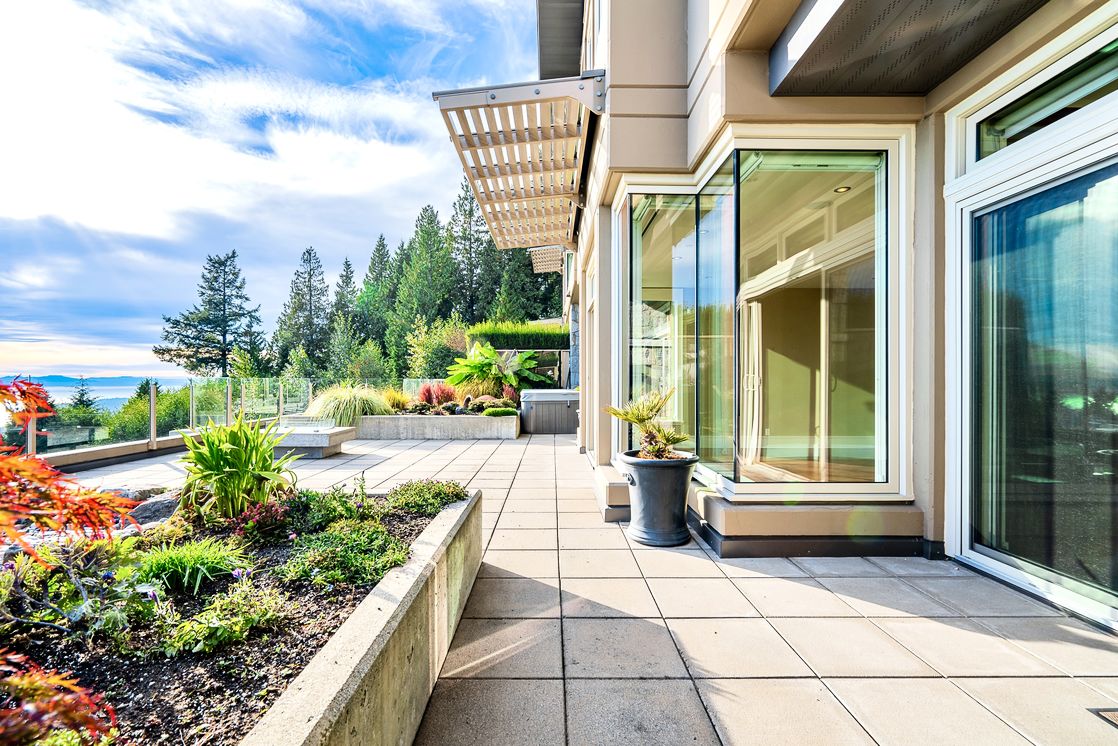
260,151
79,151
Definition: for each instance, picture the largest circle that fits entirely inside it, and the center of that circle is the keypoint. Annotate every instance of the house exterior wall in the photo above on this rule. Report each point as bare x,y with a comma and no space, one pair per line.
685,77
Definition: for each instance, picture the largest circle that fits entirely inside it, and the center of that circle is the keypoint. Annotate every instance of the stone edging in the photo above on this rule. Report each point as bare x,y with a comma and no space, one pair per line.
371,681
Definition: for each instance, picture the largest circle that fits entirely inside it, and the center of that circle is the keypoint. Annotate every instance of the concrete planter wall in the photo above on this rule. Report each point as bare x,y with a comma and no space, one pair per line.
371,681
437,427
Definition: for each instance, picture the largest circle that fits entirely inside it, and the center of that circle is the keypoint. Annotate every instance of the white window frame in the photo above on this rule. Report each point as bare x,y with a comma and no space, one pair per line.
898,142
1062,151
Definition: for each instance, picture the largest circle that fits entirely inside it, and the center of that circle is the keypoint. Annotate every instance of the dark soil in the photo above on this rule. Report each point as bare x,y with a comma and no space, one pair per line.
214,698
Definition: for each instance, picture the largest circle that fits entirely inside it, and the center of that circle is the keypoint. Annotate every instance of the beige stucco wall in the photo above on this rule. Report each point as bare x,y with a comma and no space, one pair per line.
681,73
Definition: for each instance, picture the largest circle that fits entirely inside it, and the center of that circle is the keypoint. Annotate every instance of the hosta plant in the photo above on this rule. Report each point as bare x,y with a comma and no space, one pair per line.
231,467
656,439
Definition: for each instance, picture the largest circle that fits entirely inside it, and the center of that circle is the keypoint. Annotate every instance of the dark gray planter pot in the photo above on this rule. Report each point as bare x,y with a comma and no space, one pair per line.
658,498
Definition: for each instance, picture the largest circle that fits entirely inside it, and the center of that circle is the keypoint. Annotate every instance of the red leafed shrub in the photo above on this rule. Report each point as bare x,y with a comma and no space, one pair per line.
34,491
510,393
261,521
35,701
437,393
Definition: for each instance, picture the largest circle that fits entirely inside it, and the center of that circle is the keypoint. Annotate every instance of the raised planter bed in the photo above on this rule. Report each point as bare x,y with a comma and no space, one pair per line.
370,683
437,427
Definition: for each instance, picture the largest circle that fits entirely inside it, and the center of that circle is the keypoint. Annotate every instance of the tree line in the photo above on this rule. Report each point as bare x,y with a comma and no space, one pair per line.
405,317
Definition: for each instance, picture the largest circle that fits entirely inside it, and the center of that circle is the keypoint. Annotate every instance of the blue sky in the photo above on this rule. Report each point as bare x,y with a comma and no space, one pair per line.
138,137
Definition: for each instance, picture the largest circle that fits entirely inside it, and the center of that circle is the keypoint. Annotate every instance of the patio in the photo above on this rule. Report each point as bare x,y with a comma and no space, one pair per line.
574,635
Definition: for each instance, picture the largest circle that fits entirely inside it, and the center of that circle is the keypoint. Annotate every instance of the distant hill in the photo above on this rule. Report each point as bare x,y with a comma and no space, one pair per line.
97,381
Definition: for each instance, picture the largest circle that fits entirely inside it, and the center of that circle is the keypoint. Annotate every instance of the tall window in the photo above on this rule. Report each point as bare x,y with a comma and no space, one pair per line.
662,310
811,310
716,321
1044,411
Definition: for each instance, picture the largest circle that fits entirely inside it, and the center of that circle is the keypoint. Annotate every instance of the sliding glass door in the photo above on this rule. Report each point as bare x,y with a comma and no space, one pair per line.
1044,383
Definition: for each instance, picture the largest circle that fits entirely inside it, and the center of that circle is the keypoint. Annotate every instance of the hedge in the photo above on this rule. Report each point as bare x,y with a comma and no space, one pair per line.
510,335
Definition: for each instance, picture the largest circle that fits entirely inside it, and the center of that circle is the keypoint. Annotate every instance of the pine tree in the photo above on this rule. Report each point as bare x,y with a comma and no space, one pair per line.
515,297
425,288
374,301
473,252
143,388
83,397
202,339
305,320
255,353
345,292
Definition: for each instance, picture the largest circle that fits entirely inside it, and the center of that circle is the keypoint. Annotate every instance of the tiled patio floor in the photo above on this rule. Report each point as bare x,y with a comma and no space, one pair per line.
573,635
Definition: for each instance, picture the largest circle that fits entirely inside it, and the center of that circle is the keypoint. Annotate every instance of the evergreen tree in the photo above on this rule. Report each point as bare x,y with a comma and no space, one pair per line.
255,353
514,301
143,388
305,320
345,292
474,254
424,290
341,350
83,397
374,301
202,339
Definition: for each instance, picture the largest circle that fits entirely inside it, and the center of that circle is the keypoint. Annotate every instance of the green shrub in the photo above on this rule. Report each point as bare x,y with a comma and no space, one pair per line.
425,496
311,511
233,466
480,405
345,402
170,531
474,389
348,551
512,335
228,617
500,412
183,567
432,348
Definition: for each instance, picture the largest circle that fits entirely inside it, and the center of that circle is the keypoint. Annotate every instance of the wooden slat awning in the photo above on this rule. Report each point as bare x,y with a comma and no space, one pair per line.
522,147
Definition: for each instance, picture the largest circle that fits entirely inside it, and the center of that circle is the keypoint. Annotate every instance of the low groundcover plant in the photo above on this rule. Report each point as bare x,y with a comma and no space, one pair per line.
425,496
183,567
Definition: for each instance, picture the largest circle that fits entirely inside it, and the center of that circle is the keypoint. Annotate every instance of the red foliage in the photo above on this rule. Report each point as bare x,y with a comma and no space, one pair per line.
32,490
35,701
437,393
510,393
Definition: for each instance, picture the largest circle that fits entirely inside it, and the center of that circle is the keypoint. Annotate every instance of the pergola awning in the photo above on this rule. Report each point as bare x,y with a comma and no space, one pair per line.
523,148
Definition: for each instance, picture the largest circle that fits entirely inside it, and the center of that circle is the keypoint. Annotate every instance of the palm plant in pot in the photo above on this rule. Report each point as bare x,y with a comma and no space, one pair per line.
658,475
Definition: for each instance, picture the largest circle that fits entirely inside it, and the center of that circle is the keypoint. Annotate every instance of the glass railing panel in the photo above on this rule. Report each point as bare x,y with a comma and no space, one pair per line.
210,400
257,398
296,395
172,406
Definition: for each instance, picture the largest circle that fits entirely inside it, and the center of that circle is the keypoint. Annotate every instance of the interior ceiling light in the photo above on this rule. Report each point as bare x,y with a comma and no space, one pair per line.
842,189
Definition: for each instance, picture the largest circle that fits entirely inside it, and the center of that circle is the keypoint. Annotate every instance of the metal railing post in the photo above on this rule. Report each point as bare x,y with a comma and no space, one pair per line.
228,400
193,413
279,412
32,436
242,396
153,432
310,391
